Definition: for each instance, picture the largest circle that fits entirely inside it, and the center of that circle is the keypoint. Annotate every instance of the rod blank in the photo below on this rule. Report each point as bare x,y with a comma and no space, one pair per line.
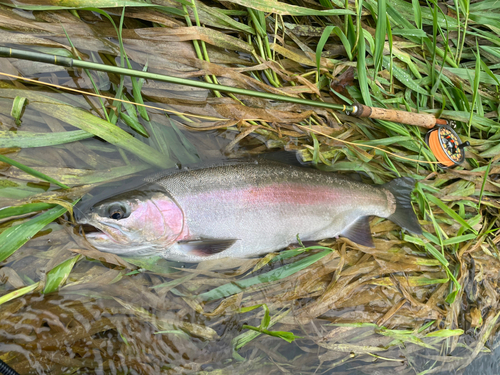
68,62
36,56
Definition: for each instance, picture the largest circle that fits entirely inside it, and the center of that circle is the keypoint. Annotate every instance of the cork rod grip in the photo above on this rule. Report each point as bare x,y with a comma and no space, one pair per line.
418,119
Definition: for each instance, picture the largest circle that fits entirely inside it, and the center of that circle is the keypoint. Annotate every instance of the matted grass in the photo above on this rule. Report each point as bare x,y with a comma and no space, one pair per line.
413,304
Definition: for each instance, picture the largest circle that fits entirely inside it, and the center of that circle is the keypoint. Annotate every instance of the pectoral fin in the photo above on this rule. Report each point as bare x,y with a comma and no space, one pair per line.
205,247
359,232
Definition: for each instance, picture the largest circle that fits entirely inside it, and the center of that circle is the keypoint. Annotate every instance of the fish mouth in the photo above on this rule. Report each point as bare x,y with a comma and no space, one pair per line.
94,233
88,229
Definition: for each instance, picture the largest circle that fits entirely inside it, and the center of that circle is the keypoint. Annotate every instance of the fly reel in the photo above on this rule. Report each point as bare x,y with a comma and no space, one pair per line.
446,146
443,141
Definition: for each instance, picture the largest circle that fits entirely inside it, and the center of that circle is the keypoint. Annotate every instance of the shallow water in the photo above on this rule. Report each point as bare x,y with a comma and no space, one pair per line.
111,316
485,364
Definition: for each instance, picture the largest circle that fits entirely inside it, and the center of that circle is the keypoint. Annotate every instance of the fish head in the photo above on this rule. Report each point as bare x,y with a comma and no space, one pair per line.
135,222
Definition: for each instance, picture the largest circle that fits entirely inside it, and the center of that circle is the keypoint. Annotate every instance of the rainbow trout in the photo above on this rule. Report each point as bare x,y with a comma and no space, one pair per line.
240,209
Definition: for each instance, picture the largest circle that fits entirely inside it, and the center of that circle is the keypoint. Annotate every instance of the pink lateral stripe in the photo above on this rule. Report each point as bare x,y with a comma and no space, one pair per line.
297,194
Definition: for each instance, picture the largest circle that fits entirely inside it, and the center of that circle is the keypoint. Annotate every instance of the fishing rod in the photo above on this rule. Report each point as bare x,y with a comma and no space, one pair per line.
442,139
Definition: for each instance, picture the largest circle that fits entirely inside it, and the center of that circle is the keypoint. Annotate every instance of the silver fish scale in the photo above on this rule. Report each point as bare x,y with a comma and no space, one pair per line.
216,205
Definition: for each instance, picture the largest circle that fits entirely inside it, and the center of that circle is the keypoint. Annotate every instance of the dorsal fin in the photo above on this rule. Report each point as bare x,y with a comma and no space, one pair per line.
284,157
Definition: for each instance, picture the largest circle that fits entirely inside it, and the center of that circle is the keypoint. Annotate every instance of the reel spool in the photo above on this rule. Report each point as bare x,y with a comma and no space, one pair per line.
446,145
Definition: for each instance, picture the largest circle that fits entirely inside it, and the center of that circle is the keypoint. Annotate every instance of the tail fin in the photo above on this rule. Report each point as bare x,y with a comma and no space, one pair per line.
404,215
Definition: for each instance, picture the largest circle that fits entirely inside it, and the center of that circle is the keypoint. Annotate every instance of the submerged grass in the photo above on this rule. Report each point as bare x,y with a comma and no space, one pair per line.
422,299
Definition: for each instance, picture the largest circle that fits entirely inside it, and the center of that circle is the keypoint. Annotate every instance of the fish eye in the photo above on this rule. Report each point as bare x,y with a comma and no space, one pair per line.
117,212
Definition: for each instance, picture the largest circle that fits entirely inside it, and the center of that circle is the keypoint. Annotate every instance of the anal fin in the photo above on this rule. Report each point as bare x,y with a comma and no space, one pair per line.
359,232
205,247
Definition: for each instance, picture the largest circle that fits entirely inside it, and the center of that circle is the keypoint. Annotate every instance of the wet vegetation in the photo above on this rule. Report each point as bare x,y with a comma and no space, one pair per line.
421,305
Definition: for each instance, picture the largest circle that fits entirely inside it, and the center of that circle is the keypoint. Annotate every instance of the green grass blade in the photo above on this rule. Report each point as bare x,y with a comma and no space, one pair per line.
425,326
287,336
29,139
445,333
362,68
188,152
14,237
475,103
24,209
466,74
415,240
326,4
18,293
136,90
243,339
492,152
459,239
486,173
250,308
266,319
31,171
345,42
380,32
449,211
155,264
274,6
134,124
490,73
58,275
18,108
403,77
435,240
274,275
322,41
417,13
436,254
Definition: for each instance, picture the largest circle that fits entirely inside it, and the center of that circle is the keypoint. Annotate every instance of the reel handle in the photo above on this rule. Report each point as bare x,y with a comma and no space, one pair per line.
423,120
